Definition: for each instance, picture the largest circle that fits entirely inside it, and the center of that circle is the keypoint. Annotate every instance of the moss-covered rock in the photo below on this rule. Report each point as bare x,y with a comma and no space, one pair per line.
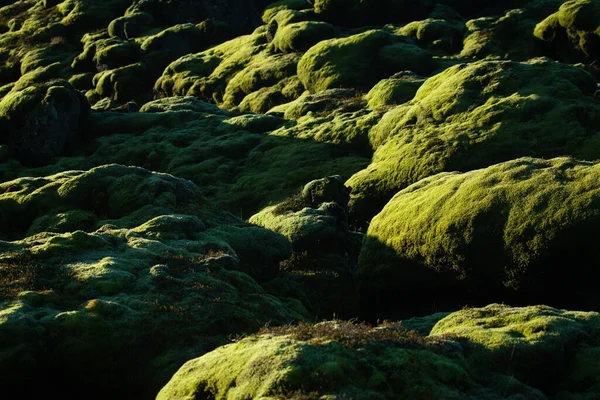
38,121
338,359
130,26
360,60
537,345
436,34
474,115
521,229
205,74
174,42
301,36
572,31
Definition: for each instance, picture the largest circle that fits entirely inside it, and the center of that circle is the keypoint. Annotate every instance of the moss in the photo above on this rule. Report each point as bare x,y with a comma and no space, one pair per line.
436,34
140,271
507,36
330,360
262,71
205,74
130,26
359,60
88,14
571,32
474,115
397,89
123,83
41,119
300,36
272,9
175,41
181,103
520,228
533,344
265,99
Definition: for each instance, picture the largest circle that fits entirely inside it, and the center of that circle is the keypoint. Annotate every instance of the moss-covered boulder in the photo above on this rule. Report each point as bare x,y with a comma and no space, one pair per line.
174,42
337,359
572,31
119,260
547,348
477,114
521,230
300,36
205,74
436,34
130,26
39,120
360,60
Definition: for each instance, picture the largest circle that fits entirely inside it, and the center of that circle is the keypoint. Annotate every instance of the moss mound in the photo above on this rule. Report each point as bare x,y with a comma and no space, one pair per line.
572,31
484,353
120,260
474,115
360,60
517,230
39,120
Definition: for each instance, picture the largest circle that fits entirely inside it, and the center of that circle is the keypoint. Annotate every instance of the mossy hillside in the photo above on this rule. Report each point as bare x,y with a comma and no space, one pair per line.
519,230
537,345
126,197
162,292
336,359
571,32
360,60
39,120
474,115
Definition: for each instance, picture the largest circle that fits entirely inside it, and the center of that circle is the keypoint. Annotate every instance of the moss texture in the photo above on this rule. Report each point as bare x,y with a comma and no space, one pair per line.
474,115
122,259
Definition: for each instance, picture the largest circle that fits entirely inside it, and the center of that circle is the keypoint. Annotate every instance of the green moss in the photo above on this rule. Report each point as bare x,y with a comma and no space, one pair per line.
89,14
272,9
123,83
359,60
262,71
473,115
398,89
523,226
533,344
572,31
300,36
205,75
130,26
331,360
175,41
436,34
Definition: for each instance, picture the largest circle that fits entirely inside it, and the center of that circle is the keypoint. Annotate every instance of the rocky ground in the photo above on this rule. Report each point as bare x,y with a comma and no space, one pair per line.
302,199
